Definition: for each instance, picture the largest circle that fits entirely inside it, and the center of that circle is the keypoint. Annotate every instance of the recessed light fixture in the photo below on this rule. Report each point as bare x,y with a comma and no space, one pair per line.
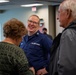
31,5
1,1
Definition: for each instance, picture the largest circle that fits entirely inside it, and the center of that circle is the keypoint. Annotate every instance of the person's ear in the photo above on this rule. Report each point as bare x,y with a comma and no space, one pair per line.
69,12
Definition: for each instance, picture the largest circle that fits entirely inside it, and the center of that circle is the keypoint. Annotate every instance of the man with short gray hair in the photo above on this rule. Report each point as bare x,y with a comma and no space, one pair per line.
66,51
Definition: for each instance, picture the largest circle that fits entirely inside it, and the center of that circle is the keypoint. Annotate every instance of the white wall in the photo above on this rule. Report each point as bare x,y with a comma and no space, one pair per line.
23,14
45,12
52,21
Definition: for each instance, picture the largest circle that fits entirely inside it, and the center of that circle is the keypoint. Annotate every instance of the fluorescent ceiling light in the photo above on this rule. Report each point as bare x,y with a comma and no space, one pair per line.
31,5
1,1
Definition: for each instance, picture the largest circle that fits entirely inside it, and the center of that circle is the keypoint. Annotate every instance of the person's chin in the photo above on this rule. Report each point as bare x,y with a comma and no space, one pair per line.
31,31
61,25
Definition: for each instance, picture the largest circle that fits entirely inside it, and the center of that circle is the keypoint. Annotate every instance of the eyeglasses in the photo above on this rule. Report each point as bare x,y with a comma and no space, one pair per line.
32,22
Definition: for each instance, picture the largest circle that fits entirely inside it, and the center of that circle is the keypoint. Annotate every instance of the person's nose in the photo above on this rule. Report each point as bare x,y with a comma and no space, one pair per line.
32,23
58,16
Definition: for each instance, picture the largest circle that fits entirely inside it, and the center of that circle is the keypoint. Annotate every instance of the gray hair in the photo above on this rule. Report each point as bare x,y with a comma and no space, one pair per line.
69,4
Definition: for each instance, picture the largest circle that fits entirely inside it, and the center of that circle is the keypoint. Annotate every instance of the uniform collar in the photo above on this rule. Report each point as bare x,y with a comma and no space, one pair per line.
30,37
37,33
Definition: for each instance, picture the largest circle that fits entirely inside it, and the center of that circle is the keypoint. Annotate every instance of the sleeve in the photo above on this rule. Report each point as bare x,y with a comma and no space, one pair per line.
22,44
67,54
46,43
21,63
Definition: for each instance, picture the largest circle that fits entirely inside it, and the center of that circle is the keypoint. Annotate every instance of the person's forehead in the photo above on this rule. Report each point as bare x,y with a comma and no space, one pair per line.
34,17
61,10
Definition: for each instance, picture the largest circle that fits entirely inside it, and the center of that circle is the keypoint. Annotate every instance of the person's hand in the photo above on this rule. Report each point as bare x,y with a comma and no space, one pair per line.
42,71
32,69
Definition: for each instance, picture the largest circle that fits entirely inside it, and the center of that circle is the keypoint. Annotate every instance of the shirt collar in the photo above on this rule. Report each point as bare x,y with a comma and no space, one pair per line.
29,37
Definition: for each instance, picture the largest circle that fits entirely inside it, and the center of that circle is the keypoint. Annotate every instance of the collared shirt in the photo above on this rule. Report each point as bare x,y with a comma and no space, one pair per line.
37,48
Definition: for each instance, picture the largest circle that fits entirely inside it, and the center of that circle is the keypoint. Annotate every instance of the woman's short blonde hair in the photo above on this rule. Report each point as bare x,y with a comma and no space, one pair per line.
14,29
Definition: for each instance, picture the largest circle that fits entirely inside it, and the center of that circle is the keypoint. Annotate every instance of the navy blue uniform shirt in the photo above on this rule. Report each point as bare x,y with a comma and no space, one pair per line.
37,48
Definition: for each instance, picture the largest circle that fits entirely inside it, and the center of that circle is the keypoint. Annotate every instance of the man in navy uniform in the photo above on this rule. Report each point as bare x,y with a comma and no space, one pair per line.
36,46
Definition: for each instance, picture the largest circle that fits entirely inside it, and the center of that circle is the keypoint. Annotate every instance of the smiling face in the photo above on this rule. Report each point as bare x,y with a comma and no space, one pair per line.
33,24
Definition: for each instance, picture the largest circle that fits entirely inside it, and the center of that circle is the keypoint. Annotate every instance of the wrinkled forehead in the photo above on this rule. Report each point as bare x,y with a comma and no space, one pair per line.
61,8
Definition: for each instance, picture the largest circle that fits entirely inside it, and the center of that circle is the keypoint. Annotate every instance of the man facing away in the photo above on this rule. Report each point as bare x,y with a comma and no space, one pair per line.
36,46
66,51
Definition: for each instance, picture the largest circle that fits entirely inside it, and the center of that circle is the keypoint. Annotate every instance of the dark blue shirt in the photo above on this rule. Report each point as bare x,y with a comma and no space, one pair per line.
37,49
